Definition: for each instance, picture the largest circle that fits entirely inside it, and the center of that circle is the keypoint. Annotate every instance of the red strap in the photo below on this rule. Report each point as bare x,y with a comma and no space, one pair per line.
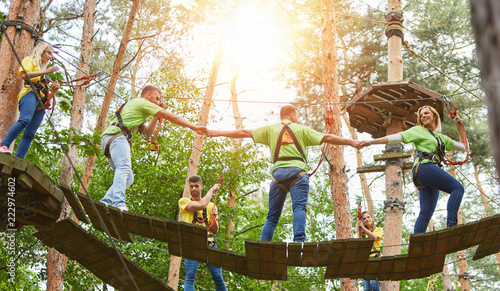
86,80
219,181
153,145
461,132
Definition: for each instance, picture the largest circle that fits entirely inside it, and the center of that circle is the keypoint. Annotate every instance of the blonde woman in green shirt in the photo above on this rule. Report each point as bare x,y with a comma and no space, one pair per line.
428,174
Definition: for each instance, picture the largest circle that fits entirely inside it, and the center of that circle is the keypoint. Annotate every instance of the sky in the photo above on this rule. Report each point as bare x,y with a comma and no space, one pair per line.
256,40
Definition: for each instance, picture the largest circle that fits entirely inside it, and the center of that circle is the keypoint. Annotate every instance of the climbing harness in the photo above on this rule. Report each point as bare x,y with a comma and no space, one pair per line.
439,155
124,130
288,137
47,96
219,181
204,220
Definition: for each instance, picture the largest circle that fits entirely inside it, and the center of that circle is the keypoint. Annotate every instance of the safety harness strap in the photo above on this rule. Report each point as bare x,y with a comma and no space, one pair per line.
292,179
287,129
124,130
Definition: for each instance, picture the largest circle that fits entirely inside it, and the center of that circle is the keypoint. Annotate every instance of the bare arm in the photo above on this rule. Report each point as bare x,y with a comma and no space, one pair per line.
381,140
215,226
203,202
458,121
364,230
238,133
35,74
150,128
180,121
337,140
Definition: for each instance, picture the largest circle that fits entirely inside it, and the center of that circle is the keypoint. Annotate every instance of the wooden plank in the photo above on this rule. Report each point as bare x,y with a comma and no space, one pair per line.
391,155
94,218
214,256
253,258
104,214
108,268
159,229
380,168
309,254
25,181
145,228
174,239
130,222
116,216
74,203
294,254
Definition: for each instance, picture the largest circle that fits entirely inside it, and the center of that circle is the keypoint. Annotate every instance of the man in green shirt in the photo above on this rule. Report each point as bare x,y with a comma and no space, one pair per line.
287,141
115,139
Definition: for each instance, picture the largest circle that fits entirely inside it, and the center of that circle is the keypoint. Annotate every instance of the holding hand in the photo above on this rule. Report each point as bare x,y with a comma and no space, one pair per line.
213,133
457,119
200,130
215,187
55,85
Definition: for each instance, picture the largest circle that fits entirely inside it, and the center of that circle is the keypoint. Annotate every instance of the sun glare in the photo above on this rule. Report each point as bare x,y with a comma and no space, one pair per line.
256,34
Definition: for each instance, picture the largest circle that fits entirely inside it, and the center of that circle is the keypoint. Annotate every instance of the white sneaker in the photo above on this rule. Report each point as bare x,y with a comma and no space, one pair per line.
5,150
123,208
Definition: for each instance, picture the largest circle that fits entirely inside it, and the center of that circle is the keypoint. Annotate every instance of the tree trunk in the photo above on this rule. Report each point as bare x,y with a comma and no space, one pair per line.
359,158
337,174
194,160
27,11
485,16
394,208
238,120
56,262
89,165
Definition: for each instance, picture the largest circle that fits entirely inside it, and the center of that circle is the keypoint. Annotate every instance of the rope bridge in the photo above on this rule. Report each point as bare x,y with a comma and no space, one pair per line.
38,200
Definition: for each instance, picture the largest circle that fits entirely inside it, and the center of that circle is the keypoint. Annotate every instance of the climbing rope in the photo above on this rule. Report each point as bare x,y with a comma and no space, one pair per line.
153,145
219,181
86,80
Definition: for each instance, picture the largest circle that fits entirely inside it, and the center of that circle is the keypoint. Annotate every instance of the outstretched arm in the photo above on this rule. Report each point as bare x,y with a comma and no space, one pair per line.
35,74
238,133
337,140
180,121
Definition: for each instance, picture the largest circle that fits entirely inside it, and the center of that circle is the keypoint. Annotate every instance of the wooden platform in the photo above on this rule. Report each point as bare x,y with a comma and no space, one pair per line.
369,109
36,197
103,261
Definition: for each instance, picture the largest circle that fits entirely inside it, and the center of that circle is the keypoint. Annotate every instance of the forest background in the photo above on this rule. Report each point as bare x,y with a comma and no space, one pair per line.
271,55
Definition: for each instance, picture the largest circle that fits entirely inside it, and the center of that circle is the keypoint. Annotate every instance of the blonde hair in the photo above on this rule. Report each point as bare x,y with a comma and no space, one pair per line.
437,119
37,52
372,227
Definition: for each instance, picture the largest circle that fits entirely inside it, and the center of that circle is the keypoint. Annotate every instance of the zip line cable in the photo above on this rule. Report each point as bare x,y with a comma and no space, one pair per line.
405,43
56,133
481,192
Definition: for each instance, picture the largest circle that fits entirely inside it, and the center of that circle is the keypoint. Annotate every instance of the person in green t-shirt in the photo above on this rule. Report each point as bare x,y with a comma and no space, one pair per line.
290,165
116,145
428,175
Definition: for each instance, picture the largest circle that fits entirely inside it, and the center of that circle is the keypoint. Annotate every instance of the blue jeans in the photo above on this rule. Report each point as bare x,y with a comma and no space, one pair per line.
29,120
435,179
370,285
121,163
192,268
299,191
